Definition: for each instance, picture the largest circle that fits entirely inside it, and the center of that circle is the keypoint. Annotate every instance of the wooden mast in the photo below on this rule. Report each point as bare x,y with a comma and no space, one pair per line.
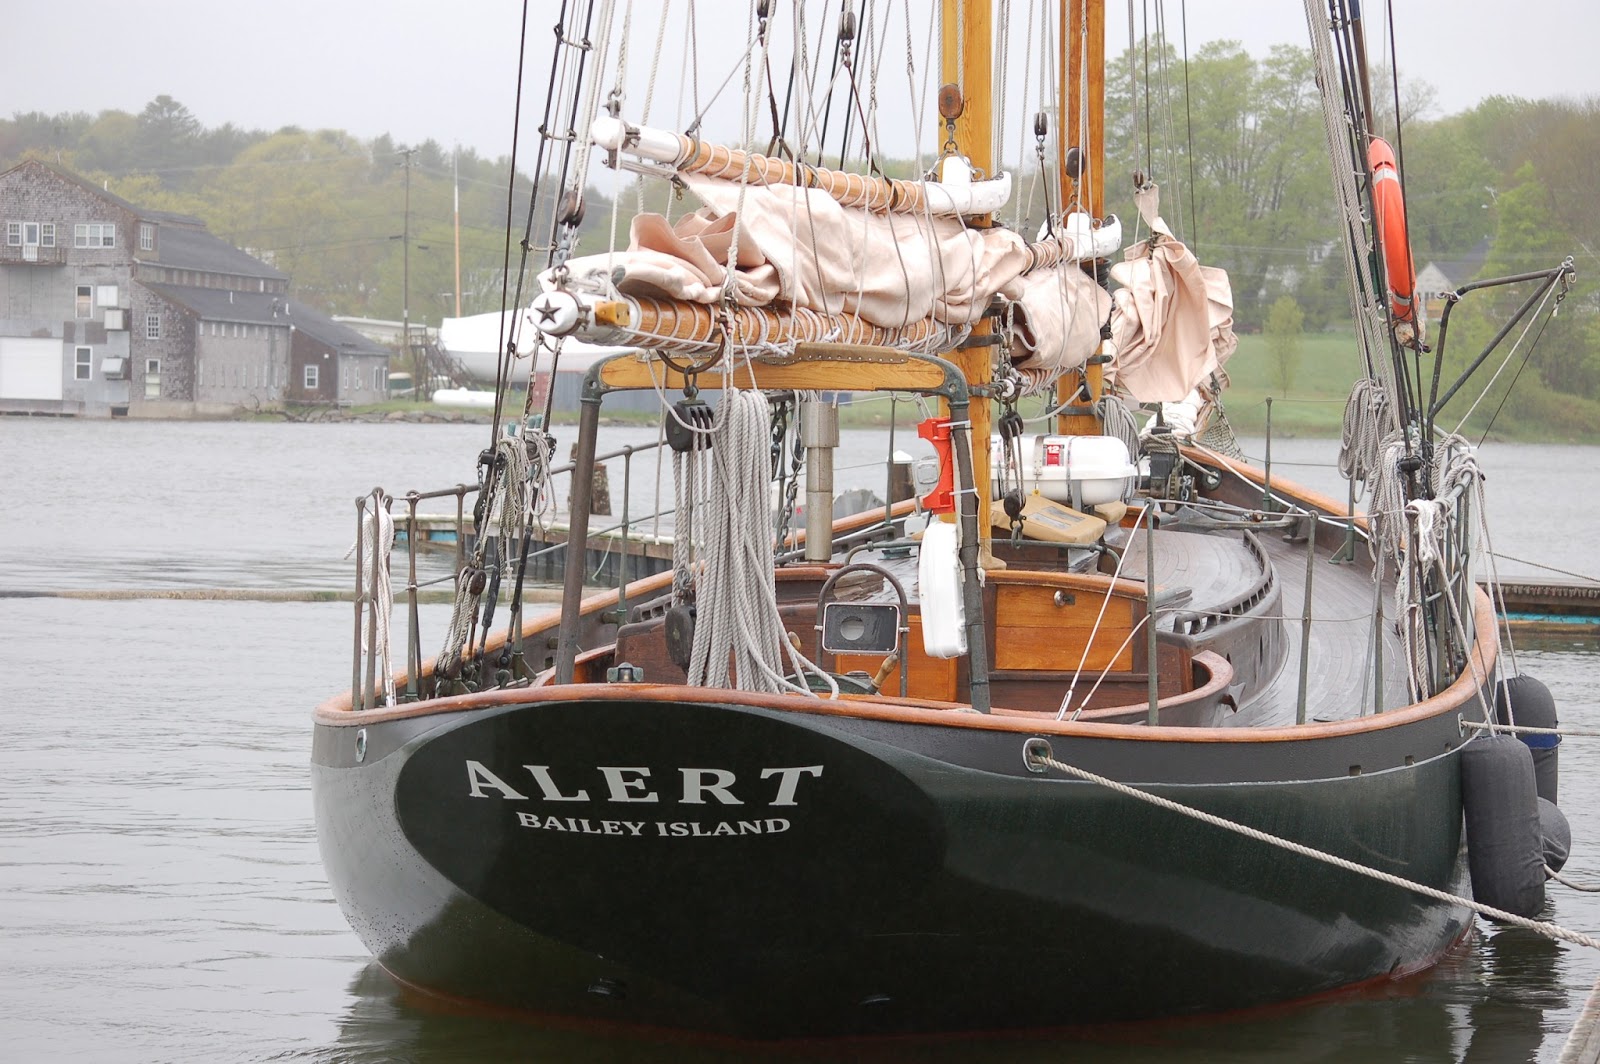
967,57
1081,94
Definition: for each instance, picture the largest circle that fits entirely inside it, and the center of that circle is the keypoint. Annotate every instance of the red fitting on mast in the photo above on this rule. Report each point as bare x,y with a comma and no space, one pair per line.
942,499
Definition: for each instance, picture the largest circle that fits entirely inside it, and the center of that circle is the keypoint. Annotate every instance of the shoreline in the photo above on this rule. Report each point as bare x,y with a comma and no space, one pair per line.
1286,425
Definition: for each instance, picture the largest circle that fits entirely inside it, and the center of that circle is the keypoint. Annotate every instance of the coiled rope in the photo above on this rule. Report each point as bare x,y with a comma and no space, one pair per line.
1543,927
1366,422
736,618
377,540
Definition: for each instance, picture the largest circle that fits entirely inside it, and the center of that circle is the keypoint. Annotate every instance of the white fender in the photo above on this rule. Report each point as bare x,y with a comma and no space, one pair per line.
944,618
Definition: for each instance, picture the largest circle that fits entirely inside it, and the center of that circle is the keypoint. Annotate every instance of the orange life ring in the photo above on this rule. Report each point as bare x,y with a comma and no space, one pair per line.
1390,206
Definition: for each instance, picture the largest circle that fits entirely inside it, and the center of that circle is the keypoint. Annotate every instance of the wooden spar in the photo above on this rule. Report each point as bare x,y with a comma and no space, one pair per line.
1081,103
820,368
1083,44
967,58
883,195
677,325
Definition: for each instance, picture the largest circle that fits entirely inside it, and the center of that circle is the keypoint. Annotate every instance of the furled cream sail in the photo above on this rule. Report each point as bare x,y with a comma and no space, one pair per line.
798,249
1174,322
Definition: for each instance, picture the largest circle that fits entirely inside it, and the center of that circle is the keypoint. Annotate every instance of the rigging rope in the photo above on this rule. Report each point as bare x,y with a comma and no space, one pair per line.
1340,127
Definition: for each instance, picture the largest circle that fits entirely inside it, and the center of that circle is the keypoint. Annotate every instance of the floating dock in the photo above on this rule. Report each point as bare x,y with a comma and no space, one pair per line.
1560,606
645,550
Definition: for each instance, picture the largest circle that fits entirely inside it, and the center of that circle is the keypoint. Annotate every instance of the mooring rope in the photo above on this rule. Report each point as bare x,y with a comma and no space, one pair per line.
1586,888
1518,729
1540,565
1543,927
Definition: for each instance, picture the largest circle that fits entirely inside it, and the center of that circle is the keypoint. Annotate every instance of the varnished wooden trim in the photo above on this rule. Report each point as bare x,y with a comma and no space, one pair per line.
1459,694
818,374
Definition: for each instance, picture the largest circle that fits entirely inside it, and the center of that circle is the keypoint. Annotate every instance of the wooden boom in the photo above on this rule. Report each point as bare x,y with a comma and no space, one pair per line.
881,194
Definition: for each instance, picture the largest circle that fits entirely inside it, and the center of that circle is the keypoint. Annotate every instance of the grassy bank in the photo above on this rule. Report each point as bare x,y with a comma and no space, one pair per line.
1327,365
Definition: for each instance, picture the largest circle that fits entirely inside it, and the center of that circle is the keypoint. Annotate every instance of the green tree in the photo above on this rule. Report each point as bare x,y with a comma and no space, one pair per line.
167,136
1447,180
1528,238
1250,134
1283,329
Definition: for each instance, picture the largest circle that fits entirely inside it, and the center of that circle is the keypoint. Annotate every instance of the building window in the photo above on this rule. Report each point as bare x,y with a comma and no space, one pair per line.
379,379
83,368
85,303
147,237
30,234
152,326
152,367
94,235
311,378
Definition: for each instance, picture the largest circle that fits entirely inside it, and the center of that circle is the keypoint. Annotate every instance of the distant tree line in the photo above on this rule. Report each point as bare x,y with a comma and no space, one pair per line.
1237,144
326,208
1235,141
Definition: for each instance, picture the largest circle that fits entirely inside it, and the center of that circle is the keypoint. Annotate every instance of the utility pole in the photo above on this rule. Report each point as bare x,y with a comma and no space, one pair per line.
418,385
457,169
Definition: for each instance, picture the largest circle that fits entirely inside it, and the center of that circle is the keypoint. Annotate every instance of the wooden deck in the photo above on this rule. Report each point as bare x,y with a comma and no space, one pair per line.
1340,668
1218,568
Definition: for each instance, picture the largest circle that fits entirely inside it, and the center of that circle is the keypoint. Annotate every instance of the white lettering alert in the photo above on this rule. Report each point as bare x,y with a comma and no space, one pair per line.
631,784
479,777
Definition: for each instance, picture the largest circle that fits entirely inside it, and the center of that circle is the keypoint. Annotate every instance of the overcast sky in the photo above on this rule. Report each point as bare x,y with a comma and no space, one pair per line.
420,69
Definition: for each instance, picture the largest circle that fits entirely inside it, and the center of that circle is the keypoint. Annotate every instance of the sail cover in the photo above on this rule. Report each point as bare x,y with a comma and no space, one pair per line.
800,247
1173,325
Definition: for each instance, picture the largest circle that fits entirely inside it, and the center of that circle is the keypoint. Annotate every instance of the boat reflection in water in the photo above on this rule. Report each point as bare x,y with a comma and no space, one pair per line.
1490,1001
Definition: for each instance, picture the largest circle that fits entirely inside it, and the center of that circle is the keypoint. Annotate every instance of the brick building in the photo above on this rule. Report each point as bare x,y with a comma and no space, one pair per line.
107,309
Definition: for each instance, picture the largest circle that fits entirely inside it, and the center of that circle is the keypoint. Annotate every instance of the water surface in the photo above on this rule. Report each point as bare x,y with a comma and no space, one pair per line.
161,896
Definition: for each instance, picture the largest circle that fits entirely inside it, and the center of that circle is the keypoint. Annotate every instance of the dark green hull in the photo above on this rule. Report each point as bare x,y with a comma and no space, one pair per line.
829,875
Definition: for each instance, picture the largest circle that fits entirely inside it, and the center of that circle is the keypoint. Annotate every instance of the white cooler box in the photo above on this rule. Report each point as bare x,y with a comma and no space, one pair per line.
1080,471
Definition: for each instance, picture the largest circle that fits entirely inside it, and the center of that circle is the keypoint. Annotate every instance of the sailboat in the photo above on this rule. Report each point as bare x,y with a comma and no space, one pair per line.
1109,725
